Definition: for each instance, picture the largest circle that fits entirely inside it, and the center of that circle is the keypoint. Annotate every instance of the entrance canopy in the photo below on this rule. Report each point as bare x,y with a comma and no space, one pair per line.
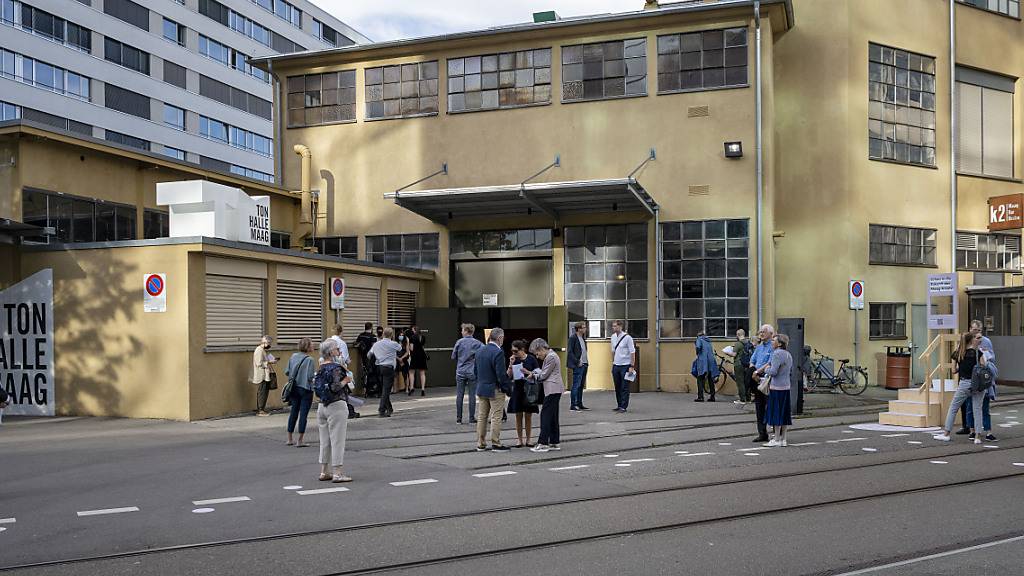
556,199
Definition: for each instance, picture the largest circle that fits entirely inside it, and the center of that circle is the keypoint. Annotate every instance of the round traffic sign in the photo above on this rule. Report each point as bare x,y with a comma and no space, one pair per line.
857,289
154,285
338,287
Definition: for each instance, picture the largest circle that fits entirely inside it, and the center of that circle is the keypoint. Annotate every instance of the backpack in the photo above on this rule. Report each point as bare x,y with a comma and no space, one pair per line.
982,378
744,353
327,384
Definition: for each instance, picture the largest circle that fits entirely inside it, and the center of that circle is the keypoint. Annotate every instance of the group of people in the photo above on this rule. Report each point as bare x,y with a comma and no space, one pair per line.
974,391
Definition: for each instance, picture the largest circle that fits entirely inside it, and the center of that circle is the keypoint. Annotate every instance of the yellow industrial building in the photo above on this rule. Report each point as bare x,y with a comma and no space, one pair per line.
698,166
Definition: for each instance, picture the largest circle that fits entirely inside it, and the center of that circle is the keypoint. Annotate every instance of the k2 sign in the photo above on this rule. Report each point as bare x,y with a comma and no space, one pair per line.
1004,212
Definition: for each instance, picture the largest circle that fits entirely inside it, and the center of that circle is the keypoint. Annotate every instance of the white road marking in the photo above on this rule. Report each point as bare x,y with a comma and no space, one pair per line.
725,443
870,449
293,487
850,439
913,442
493,474
697,454
414,482
832,441
637,460
108,511
2,529
995,413
752,449
932,556
611,455
847,431
1018,463
893,435
621,465
202,510
991,446
321,491
576,467
220,500
8,520
805,444
682,452
1011,410
939,462
751,454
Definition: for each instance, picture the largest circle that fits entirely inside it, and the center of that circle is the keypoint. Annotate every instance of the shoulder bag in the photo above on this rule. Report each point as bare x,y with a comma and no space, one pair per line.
764,387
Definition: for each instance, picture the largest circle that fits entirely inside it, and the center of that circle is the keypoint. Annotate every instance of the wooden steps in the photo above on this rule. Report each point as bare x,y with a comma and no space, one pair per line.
911,410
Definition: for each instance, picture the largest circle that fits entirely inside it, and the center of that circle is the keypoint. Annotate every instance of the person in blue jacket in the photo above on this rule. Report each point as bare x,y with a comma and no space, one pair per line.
705,368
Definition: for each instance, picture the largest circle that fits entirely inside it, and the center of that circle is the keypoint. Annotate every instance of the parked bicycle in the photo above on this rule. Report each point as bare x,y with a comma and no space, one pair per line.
822,375
725,371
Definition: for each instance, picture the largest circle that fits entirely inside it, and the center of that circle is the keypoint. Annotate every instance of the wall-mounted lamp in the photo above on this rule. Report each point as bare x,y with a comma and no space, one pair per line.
734,149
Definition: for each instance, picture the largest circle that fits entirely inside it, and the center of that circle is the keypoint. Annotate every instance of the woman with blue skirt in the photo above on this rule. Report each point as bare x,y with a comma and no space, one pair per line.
778,414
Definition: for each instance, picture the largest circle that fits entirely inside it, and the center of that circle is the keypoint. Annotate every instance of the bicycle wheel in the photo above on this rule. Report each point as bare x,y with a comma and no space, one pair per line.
723,378
853,381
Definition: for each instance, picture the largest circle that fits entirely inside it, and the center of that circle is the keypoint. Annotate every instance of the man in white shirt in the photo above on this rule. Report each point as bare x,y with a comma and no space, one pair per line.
623,363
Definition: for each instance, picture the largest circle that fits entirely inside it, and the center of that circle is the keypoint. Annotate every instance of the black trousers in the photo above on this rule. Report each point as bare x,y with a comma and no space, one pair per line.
387,379
705,381
261,395
549,433
760,407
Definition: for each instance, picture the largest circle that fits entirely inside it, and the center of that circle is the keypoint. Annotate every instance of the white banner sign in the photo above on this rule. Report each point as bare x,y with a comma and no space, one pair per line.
154,292
26,345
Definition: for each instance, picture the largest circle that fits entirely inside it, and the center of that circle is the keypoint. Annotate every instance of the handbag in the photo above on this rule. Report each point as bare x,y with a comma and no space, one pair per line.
764,386
534,392
273,380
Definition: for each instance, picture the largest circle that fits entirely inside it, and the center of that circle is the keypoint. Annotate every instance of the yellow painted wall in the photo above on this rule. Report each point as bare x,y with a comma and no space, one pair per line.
111,358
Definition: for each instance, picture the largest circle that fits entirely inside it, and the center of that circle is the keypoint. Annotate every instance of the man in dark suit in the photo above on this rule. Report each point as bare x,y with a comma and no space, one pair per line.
578,361
492,387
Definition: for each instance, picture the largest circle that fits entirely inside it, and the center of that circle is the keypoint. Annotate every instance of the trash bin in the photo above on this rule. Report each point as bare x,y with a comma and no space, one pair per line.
897,367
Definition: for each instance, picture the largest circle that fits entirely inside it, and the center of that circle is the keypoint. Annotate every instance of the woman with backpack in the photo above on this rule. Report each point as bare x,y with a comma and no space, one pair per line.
300,372
968,356
332,385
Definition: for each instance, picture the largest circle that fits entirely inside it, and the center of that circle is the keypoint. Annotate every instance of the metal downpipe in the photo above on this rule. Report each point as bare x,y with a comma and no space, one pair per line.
760,163
657,299
952,137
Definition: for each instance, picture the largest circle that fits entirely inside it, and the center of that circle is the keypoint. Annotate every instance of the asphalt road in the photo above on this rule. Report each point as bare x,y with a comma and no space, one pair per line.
672,487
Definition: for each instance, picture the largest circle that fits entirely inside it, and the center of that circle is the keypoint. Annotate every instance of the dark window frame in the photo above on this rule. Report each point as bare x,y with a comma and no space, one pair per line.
510,76
877,320
119,209
398,249
376,94
964,263
584,56
676,56
891,110
305,90
879,229
347,246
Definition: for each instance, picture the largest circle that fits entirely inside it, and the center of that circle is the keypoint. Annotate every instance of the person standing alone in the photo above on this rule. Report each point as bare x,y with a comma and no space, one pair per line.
464,355
263,374
492,388
623,364
578,362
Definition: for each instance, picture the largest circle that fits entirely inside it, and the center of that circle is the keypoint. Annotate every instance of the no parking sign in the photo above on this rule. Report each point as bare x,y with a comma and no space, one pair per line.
337,293
154,292
856,295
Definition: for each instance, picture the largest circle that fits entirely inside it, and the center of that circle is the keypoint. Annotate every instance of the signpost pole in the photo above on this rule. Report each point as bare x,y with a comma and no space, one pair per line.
856,337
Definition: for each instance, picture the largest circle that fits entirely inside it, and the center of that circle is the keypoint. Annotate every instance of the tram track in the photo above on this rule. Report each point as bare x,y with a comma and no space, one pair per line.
730,486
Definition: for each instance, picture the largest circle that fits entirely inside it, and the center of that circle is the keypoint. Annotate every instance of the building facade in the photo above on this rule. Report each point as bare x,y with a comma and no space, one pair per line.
613,166
166,76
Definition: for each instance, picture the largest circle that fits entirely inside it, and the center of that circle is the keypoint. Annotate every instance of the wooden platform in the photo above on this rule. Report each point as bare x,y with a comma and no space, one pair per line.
911,410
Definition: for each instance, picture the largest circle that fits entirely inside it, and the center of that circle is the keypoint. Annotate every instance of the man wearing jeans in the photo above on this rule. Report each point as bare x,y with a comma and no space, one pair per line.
623,362
492,387
578,362
464,355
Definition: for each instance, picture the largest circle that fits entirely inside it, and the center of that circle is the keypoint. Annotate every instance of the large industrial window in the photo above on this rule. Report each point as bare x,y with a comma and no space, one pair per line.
888,320
343,246
402,90
901,245
322,98
987,252
77,219
504,80
1007,7
606,276
901,106
412,250
705,278
604,70
985,123
702,60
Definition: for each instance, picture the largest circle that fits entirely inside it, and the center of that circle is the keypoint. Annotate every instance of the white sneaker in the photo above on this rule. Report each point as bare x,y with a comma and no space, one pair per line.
977,440
783,444
772,443
539,448
740,402
942,437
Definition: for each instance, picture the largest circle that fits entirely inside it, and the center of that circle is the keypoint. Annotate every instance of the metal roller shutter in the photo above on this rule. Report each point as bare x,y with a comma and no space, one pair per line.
300,311
401,308
234,310
362,305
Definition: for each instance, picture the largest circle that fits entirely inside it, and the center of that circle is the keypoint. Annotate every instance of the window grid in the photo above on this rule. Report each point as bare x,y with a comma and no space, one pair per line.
473,244
702,60
341,246
888,320
606,276
901,245
46,25
1009,8
237,137
43,75
9,111
252,174
327,98
125,55
901,106
401,91
174,117
704,278
174,32
281,240
988,252
230,57
174,153
77,219
412,250
504,80
604,70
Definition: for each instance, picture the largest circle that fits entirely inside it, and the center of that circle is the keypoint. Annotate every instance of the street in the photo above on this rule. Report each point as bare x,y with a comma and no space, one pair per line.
671,487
